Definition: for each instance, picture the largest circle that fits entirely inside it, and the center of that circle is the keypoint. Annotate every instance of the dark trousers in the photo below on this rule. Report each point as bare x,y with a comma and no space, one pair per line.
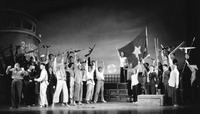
135,92
143,85
166,89
84,89
29,93
123,75
166,93
152,88
16,93
129,88
37,93
50,92
173,95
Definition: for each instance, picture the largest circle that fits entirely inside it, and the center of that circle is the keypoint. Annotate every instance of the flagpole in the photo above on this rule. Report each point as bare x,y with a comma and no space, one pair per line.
146,33
147,40
155,47
157,54
146,36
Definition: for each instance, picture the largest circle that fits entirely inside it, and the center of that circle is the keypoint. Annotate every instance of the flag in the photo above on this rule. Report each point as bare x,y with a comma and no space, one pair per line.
136,49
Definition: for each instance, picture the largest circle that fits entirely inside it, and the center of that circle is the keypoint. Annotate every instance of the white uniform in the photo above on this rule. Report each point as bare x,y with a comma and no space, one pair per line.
61,84
90,83
122,61
43,79
174,78
100,85
71,84
134,79
78,84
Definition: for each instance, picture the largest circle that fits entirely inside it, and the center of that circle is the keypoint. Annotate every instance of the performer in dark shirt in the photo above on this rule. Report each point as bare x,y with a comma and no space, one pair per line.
165,78
152,80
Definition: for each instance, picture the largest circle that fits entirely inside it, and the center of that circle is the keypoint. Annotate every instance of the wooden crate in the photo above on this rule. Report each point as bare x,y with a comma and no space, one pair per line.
122,86
123,91
113,98
110,85
113,92
151,100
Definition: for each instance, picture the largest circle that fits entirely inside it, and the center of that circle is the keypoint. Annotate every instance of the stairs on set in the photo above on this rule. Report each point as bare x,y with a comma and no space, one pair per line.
119,93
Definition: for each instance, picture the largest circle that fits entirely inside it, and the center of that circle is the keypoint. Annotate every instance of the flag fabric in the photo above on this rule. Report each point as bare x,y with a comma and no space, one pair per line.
136,49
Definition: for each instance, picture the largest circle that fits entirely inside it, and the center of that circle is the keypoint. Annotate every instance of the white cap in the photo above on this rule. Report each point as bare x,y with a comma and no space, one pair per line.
42,55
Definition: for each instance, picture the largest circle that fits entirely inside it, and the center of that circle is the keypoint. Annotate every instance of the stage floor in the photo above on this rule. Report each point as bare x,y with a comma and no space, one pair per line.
104,108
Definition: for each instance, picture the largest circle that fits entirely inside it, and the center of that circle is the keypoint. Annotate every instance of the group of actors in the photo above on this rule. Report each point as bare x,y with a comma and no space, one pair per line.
68,79
160,77
56,78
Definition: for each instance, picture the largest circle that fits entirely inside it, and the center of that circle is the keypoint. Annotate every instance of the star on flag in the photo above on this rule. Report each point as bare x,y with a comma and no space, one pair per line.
137,51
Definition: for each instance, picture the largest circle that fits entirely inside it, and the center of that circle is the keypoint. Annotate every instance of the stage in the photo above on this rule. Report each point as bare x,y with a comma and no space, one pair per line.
104,108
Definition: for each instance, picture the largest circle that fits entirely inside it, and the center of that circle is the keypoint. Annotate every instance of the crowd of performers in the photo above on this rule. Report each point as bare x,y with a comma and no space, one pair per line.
68,79
53,79
162,77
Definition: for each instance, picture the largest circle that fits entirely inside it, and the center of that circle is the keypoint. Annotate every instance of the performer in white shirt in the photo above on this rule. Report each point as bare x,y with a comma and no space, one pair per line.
78,89
123,66
61,82
173,83
84,81
43,79
134,83
90,81
100,82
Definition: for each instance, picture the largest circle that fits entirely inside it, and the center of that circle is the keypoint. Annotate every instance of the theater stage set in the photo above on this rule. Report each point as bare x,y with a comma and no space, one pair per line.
170,13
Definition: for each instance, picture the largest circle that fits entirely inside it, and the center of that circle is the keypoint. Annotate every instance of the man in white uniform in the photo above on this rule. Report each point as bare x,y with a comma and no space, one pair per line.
78,91
173,79
100,82
90,81
61,82
43,79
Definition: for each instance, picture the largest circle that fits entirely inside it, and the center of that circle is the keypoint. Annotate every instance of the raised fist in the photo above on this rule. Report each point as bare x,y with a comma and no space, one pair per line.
9,67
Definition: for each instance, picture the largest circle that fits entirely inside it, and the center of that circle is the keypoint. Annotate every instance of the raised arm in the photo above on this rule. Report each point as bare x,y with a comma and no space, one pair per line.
47,56
170,60
62,59
75,58
93,67
103,67
9,69
118,53
54,64
86,66
96,66
162,55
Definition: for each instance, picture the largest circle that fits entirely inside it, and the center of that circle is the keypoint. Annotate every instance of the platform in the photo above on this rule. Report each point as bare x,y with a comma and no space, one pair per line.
150,100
